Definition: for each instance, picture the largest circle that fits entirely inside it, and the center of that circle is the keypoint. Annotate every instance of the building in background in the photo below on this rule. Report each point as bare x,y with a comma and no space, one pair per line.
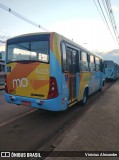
2,67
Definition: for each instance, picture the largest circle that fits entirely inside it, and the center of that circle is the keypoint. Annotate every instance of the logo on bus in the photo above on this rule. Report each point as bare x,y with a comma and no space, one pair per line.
19,83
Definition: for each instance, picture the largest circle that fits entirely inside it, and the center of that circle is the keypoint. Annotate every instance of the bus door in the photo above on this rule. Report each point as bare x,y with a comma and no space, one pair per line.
71,60
70,63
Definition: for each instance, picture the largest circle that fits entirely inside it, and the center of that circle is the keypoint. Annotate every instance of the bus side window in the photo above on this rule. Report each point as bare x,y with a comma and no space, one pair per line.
92,63
0,55
97,63
88,57
101,65
64,65
68,59
75,61
84,61
0,68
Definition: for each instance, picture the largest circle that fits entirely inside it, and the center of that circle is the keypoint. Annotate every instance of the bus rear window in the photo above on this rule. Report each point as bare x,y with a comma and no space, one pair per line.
35,50
109,64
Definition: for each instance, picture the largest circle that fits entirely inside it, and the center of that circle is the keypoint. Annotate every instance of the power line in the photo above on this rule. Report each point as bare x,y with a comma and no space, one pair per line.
104,16
111,18
107,8
99,11
113,23
21,17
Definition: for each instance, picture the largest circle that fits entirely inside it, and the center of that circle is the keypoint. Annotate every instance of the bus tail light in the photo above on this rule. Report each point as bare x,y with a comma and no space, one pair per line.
53,89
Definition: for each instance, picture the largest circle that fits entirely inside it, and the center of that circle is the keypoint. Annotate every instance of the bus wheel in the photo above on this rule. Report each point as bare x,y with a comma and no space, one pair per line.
85,98
100,89
102,86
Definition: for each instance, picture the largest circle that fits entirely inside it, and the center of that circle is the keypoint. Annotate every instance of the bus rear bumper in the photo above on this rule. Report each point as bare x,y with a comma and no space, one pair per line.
55,104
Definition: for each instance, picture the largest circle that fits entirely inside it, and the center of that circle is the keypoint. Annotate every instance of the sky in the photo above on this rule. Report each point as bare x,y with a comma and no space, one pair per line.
78,20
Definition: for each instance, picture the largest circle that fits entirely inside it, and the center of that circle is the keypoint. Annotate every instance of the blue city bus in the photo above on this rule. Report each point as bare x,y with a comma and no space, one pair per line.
117,70
111,70
2,68
49,71
2,72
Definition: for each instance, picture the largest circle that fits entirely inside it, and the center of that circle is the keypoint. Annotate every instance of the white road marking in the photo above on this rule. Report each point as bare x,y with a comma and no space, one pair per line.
4,123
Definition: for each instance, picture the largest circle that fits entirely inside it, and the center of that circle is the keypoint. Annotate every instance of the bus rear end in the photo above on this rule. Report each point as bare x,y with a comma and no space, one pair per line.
29,78
109,69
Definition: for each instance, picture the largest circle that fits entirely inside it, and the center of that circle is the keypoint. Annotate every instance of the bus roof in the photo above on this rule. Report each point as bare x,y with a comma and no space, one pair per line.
62,37
110,61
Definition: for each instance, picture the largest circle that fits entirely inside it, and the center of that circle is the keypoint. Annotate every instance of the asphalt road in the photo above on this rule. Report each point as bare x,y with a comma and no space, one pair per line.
28,129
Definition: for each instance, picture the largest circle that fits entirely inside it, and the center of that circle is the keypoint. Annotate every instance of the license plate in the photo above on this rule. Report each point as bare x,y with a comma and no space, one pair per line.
26,103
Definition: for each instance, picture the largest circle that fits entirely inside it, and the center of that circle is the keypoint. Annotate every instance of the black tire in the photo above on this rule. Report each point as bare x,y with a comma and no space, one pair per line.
102,86
100,89
85,98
